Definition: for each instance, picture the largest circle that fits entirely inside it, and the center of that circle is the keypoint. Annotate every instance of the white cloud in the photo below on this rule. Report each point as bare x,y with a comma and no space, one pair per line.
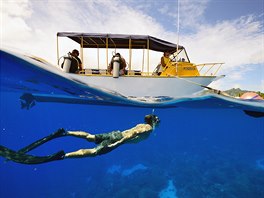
164,9
37,31
190,12
19,8
13,25
236,42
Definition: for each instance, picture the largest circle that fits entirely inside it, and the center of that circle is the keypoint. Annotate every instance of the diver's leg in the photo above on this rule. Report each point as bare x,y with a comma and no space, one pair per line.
102,148
29,159
105,146
59,133
81,153
98,138
82,134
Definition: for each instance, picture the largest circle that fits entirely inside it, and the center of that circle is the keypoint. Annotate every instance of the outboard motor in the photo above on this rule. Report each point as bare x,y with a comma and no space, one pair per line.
116,66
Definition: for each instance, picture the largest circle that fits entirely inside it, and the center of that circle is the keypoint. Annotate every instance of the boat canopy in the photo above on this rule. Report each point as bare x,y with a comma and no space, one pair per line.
125,41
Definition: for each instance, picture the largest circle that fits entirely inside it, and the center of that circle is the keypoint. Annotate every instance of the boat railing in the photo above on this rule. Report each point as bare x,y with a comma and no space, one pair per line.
208,69
188,69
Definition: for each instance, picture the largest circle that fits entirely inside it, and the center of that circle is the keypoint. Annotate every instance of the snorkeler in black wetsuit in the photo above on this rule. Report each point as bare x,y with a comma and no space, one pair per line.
106,142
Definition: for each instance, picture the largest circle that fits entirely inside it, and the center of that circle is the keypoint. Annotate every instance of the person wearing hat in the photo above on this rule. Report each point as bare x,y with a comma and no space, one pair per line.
105,143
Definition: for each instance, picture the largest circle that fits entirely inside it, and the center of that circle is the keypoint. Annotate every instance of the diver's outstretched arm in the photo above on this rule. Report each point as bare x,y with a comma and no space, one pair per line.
29,159
59,133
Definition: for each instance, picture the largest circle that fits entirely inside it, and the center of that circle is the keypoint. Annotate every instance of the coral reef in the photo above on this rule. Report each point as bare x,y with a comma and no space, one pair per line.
169,191
260,163
126,172
216,174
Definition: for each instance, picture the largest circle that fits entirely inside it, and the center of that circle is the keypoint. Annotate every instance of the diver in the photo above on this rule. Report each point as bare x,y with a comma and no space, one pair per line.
105,143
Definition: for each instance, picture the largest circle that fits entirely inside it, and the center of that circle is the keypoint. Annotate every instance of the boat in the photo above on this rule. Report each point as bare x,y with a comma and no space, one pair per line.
143,80
181,78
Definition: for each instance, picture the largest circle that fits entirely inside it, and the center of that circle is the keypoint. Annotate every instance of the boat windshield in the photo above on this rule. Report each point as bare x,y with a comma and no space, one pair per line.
180,56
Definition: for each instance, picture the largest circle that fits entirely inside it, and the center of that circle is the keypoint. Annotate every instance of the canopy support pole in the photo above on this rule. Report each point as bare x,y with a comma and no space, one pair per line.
130,54
98,61
142,69
82,51
178,32
58,55
148,54
106,52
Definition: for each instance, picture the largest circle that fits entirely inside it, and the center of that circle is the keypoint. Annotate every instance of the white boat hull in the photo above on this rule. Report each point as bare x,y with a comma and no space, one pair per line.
138,86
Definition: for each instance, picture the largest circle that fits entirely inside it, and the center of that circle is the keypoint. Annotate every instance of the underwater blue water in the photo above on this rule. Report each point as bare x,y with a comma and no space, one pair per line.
204,152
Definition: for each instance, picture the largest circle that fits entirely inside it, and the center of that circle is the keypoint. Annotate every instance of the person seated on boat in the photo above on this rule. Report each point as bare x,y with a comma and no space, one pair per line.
165,62
105,143
165,59
76,63
122,66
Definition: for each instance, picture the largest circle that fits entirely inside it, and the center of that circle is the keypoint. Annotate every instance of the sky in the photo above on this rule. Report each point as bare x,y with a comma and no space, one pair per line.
229,31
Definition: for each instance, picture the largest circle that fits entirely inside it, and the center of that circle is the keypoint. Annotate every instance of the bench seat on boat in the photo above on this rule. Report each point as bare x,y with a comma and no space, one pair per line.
95,71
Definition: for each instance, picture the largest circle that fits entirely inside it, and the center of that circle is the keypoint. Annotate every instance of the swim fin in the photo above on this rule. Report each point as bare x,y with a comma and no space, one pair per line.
29,159
59,133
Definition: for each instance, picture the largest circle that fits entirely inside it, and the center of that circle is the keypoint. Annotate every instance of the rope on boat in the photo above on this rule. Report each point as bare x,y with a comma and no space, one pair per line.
217,91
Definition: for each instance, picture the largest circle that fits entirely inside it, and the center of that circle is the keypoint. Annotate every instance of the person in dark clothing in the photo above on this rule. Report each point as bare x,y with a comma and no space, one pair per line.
105,143
76,63
122,68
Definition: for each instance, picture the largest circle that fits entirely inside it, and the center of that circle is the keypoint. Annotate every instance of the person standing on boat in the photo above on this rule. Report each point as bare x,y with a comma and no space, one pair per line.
122,67
105,143
76,63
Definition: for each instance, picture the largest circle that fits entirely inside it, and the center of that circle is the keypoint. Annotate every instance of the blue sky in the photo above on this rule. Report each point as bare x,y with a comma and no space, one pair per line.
229,31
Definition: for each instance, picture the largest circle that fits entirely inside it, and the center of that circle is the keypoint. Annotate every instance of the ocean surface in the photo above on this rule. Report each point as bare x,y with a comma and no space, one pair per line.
204,152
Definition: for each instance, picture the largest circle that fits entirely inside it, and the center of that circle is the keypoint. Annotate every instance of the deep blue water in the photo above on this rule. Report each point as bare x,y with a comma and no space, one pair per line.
206,152
214,151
